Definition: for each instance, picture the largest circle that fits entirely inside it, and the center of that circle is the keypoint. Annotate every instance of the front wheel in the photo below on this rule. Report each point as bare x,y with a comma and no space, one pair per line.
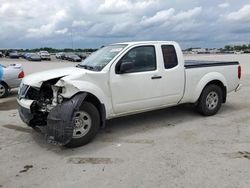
210,100
86,125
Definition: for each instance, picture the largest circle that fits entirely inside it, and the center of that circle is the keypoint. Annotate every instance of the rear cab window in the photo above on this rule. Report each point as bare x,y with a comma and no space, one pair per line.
169,56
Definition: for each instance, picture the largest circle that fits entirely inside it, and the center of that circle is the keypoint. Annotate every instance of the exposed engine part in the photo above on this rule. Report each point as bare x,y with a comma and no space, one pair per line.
46,96
55,94
45,99
60,99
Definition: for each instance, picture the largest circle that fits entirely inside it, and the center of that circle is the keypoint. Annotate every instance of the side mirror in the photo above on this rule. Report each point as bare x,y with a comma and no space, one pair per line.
126,67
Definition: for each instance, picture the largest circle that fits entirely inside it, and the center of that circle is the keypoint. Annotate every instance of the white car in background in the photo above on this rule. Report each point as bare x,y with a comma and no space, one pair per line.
60,55
10,77
44,55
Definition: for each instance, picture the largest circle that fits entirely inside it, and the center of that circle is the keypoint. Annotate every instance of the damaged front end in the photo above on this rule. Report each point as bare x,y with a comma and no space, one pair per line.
47,107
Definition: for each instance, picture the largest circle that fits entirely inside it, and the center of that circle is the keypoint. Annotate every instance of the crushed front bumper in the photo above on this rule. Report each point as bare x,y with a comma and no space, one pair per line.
24,110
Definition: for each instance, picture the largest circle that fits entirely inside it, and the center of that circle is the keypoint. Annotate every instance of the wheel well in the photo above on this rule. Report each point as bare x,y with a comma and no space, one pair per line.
100,107
223,88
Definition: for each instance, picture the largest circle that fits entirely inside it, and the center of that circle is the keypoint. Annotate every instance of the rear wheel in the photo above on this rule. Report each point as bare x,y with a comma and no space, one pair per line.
86,125
3,90
210,100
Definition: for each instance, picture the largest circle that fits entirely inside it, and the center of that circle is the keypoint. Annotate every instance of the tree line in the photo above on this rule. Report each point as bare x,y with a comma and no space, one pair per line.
243,47
54,50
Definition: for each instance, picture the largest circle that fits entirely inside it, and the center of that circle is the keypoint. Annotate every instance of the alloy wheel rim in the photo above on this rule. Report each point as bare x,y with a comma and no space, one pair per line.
2,90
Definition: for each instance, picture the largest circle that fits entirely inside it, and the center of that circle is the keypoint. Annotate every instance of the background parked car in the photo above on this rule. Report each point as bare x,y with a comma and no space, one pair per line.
60,55
1,54
22,54
7,52
44,55
63,56
83,55
66,56
26,55
10,77
74,58
33,57
14,54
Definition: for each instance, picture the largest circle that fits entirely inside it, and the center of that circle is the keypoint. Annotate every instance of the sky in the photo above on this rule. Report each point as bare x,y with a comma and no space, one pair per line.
93,23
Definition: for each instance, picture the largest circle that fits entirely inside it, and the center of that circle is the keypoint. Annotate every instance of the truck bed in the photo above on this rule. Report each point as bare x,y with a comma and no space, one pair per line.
199,63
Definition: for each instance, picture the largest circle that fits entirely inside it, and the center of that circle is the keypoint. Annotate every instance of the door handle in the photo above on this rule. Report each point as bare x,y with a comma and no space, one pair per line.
156,77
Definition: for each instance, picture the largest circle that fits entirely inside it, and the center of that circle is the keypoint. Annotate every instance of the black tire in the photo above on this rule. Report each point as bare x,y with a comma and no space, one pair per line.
210,100
93,113
4,90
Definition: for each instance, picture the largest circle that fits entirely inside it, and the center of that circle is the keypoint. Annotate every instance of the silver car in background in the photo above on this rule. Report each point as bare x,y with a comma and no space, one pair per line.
10,77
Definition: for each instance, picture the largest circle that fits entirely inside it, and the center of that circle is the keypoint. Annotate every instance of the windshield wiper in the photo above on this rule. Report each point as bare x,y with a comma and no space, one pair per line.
85,66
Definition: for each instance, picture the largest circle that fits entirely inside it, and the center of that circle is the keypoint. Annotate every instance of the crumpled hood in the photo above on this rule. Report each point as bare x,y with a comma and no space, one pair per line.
37,79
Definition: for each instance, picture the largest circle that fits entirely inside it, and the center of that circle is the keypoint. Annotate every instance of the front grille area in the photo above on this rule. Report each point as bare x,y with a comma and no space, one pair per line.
32,94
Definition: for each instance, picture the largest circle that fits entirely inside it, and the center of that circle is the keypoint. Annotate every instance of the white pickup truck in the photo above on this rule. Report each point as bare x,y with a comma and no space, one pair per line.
121,79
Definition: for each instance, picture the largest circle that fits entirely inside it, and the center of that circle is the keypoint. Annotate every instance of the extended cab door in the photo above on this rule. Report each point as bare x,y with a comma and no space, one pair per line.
139,86
173,73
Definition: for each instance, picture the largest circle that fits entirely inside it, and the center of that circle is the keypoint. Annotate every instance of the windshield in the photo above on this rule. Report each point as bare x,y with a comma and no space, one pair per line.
98,60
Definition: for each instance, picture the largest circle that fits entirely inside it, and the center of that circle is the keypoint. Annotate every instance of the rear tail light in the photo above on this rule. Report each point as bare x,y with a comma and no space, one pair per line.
21,75
239,72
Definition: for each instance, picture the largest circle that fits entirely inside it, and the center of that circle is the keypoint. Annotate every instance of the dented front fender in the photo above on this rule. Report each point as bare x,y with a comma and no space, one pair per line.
60,122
